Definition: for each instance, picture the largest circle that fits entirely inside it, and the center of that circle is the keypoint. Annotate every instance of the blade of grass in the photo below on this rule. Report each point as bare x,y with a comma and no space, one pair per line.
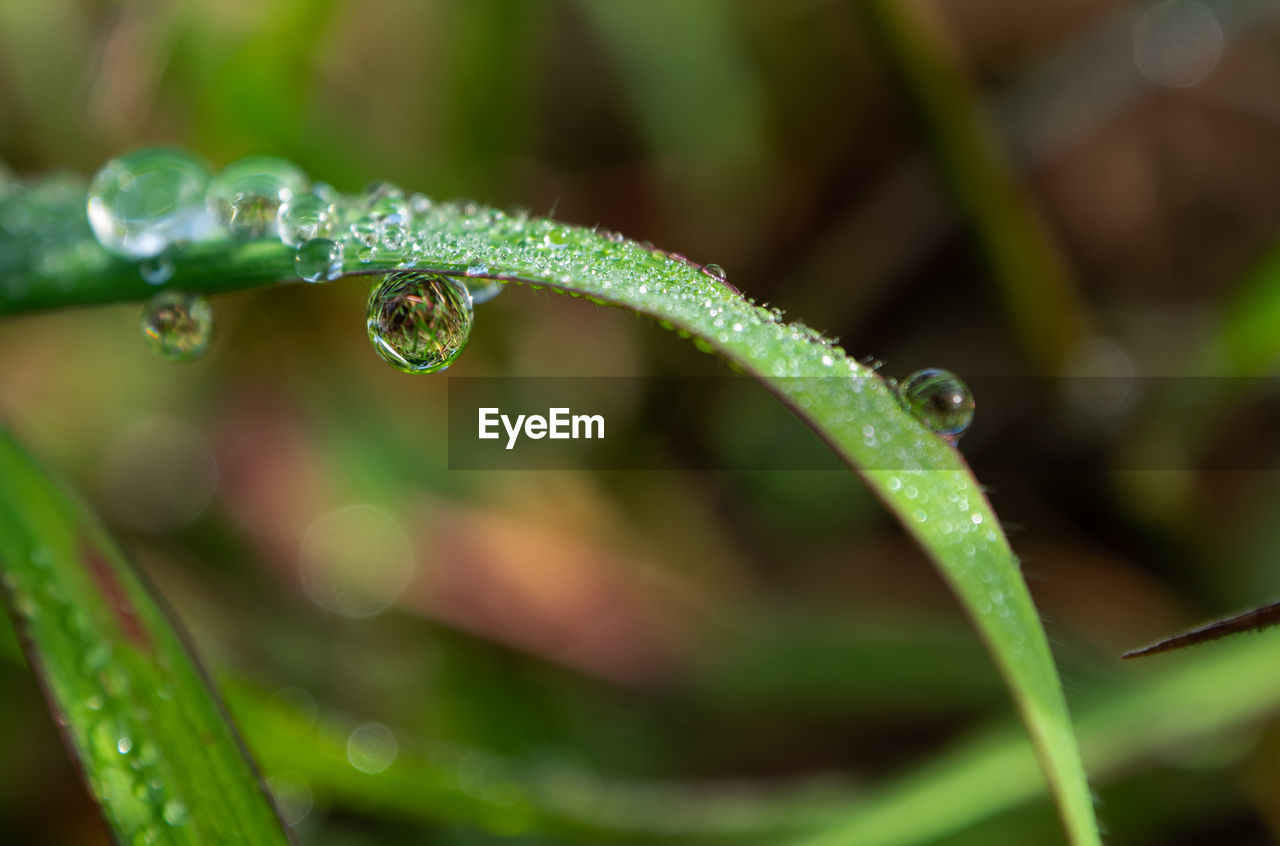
920,477
1025,263
1179,704
1194,701
155,746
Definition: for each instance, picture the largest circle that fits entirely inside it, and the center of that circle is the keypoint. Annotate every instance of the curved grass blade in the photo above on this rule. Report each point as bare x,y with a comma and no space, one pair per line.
920,477
155,746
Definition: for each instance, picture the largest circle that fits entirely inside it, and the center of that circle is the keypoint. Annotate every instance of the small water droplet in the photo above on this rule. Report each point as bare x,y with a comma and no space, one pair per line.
939,400
141,203
246,196
386,200
156,270
483,290
419,322
716,272
303,218
319,260
124,745
178,325
365,232
393,234
419,204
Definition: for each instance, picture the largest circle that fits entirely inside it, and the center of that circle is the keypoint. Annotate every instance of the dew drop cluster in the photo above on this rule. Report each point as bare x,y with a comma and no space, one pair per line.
148,205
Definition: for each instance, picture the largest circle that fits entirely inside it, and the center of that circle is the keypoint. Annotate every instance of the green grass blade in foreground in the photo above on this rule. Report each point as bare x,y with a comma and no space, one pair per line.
921,478
154,744
1196,699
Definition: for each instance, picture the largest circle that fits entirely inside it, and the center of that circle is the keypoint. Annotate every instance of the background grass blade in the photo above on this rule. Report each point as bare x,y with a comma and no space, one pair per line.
1025,263
152,740
922,479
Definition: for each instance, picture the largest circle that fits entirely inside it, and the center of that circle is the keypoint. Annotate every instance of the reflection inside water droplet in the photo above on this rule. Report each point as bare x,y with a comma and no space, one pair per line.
246,196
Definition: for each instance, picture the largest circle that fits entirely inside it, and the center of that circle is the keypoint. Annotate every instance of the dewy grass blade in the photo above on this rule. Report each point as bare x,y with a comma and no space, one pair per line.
921,477
153,742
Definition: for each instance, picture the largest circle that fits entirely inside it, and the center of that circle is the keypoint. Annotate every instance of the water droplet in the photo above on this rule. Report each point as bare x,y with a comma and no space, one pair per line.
939,400
371,748
386,200
175,813
319,260
420,204
716,272
178,325
142,202
246,196
304,218
483,290
365,232
419,322
156,270
123,745
393,234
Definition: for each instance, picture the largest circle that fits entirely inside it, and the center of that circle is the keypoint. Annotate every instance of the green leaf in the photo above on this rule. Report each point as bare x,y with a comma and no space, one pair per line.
919,476
137,712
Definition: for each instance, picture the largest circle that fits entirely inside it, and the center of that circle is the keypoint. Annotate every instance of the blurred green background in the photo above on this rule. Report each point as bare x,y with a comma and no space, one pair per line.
1080,195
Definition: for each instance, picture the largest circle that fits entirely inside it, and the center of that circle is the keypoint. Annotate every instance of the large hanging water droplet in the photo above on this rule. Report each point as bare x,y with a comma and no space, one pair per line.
319,260
178,325
142,202
419,322
939,400
246,196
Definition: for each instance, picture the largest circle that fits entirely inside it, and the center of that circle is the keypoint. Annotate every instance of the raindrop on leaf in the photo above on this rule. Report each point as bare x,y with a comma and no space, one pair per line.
178,325
939,400
142,202
419,322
